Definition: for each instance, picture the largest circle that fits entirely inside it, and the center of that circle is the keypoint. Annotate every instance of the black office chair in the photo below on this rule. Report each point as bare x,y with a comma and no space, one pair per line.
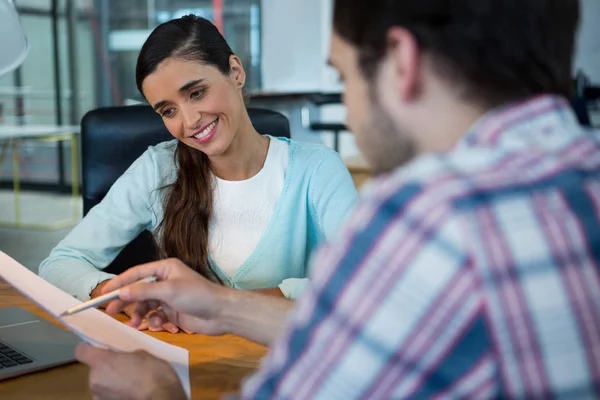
113,138
580,107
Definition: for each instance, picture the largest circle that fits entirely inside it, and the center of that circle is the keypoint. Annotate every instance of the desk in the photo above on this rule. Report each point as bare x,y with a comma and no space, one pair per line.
217,364
10,136
359,170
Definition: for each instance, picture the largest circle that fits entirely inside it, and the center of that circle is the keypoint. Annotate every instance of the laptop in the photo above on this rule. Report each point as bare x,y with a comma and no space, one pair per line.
29,343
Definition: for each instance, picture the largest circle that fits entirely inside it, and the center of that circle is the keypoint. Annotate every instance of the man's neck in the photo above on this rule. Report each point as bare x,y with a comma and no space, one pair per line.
447,125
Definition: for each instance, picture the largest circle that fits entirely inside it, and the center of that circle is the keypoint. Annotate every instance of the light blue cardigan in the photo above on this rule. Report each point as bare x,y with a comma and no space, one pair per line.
317,195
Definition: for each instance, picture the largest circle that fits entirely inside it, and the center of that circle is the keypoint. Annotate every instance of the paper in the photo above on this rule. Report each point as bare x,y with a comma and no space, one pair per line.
91,325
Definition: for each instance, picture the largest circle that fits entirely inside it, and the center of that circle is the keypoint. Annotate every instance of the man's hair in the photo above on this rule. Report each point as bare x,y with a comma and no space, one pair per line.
494,50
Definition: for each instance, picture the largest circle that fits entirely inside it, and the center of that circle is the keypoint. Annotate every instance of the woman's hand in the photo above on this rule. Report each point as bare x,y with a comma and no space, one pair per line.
144,325
181,297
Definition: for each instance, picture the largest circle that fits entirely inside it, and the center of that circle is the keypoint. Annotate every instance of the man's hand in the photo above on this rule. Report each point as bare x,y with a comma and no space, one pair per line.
188,300
129,376
180,297
169,327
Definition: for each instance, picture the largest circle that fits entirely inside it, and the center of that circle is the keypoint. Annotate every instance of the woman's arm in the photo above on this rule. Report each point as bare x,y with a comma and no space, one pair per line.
75,264
331,196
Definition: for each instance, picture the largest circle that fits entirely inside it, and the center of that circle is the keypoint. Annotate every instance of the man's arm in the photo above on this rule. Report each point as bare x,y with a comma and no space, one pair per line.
254,315
393,312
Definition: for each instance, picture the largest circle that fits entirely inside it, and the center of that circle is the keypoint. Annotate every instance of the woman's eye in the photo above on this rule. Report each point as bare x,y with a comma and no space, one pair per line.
197,94
168,112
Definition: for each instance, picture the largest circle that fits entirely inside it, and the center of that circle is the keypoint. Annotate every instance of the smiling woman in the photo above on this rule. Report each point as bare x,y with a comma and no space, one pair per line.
241,208
190,76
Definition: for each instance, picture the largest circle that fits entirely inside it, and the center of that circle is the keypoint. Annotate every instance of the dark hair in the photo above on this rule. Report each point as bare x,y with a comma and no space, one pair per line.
497,50
188,202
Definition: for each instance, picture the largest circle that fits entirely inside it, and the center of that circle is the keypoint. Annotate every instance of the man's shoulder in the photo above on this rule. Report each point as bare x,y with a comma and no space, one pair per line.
426,182
486,174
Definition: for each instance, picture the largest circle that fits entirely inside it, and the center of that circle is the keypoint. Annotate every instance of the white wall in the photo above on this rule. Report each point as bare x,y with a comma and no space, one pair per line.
295,49
295,45
295,42
588,47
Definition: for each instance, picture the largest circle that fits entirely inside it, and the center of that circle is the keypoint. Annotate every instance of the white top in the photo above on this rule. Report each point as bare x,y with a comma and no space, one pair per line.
243,209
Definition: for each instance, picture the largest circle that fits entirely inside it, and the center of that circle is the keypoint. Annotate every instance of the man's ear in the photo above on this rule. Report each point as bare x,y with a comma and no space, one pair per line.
404,54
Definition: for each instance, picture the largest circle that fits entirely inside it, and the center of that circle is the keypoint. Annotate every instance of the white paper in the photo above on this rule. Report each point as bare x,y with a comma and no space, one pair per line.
92,326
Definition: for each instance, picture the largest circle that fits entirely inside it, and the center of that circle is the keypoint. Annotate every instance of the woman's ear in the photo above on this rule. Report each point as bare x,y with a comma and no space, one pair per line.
238,74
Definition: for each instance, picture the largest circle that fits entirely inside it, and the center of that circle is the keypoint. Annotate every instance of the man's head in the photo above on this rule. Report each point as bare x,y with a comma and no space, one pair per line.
418,73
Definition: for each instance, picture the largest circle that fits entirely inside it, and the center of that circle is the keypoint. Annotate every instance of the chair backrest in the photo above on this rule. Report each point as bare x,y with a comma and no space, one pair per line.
113,138
580,106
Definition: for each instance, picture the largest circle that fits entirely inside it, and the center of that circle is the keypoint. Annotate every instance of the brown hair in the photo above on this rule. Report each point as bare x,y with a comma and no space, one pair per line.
188,202
496,50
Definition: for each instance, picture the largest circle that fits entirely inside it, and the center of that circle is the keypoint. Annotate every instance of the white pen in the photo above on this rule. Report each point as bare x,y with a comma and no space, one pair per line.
95,302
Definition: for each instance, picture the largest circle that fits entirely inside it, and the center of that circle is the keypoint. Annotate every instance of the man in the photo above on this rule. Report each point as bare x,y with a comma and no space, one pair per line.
469,272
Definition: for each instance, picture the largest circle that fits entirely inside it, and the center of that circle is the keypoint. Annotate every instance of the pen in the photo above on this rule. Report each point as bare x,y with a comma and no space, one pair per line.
95,302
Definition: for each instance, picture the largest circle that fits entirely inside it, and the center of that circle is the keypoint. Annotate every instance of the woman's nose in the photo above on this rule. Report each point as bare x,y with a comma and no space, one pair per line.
192,118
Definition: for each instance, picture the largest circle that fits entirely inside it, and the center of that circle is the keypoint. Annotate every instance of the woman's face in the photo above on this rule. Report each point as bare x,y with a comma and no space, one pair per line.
199,105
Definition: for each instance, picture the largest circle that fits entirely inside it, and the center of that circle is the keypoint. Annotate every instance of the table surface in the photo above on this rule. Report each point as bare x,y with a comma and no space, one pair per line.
35,131
217,364
357,164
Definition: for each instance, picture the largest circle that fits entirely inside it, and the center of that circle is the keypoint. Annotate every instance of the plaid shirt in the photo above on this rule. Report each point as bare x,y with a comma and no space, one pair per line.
468,274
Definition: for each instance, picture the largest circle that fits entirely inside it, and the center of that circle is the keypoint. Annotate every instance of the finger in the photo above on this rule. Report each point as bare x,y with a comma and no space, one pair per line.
157,319
187,331
139,313
160,269
141,327
163,292
170,327
155,329
117,306
154,305
160,320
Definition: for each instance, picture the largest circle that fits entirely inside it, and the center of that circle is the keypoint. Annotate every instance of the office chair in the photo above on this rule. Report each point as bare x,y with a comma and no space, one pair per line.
580,107
14,43
113,138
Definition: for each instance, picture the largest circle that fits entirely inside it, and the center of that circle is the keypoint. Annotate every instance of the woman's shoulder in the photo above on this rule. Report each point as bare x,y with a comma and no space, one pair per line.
314,156
162,149
159,156
156,164
308,152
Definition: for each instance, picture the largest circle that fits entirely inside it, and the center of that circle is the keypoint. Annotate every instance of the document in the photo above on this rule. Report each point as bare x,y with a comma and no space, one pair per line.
91,325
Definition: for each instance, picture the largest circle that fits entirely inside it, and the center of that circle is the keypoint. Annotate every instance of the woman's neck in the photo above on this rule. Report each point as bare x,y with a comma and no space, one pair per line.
245,156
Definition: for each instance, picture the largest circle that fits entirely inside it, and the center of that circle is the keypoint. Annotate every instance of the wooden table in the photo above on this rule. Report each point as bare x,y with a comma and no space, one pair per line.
217,364
359,170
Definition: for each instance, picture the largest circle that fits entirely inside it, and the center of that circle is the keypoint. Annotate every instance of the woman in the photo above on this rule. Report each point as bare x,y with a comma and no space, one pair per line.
242,209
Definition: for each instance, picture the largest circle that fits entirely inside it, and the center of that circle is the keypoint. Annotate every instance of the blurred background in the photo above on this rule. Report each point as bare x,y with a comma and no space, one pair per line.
82,56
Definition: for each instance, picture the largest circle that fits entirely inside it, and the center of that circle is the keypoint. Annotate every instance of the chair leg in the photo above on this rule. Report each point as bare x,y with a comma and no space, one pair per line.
336,141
